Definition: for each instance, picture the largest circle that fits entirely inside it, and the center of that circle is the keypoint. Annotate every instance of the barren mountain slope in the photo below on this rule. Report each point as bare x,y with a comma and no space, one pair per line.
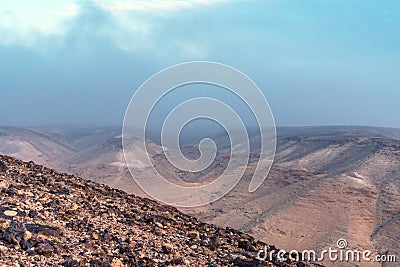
53,219
322,187
33,144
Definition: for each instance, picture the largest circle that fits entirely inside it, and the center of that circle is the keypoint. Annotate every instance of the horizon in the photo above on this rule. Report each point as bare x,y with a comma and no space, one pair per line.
249,128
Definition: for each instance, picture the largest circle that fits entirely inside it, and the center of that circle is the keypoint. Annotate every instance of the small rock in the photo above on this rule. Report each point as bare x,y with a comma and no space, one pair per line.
97,252
176,261
96,263
95,235
3,249
10,236
44,230
215,241
246,245
25,245
159,225
145,236
246,236
3,184
247,263
45,249
117,263
70,263
3,167
27,235
4,224
149,218
159,231
194,235
221,232
10,213
167,248
72,207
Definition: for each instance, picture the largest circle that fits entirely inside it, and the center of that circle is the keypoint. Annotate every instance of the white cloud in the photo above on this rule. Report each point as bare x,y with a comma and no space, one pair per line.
153,6
29,22
139,27
26,23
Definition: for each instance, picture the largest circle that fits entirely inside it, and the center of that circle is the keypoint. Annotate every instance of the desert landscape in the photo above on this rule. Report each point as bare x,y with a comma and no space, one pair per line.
200,133
326,183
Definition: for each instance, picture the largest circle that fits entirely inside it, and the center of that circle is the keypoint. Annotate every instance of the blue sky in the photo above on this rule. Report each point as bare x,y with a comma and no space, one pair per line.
317,62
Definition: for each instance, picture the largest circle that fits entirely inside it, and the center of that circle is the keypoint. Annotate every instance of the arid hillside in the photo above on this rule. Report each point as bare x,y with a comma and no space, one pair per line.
53,219
326,183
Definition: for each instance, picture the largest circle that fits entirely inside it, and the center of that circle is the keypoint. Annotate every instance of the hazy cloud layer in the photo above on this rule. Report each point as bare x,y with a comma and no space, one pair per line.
331,62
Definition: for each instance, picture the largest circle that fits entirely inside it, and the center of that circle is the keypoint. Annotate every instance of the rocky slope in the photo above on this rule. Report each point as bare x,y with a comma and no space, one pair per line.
54,219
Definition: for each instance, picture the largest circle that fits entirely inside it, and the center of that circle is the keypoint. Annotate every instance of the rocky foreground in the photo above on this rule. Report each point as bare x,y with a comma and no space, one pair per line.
53,219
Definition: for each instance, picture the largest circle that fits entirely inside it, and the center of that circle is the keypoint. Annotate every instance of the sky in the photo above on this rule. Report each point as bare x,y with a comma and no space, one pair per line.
317,62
